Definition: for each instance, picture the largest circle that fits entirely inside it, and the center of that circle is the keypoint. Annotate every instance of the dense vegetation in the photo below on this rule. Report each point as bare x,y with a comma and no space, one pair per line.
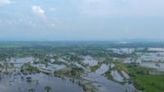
150,83
144,80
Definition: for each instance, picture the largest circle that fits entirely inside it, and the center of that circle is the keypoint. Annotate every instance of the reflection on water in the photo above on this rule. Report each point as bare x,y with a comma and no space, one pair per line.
158,66
106,85
36,83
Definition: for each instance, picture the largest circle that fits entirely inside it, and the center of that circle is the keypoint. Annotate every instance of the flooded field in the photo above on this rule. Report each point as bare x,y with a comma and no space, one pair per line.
76,70
157,66
17,81
36,83
106,85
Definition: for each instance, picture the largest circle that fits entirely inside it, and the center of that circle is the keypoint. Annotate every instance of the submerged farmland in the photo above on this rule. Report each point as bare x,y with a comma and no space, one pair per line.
78,67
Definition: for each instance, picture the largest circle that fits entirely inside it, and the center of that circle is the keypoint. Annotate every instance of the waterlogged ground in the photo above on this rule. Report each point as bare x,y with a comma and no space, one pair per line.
80,68
106,85
36,83
154,65
16,81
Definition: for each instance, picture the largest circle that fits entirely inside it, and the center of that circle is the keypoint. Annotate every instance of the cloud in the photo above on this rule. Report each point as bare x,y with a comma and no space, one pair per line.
39,11
4,2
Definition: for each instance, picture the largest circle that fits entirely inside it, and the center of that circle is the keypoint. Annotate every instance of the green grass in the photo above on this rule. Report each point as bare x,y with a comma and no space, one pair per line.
120,67
108,75
69,72
29,68
94,68
150,83
144,81
141,78
134,70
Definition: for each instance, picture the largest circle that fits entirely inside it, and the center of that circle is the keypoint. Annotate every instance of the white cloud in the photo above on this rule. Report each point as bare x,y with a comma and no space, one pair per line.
39,11
4,2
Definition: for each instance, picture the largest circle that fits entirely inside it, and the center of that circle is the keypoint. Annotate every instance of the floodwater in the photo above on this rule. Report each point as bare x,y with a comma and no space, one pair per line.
106,85
157,66
36,83
103,69
18,82
90,61
117,76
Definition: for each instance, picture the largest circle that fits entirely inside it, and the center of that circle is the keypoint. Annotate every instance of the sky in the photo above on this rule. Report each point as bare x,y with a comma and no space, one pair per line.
51,20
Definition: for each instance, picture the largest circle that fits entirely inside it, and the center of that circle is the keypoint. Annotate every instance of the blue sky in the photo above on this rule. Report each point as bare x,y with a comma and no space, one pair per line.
81,19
